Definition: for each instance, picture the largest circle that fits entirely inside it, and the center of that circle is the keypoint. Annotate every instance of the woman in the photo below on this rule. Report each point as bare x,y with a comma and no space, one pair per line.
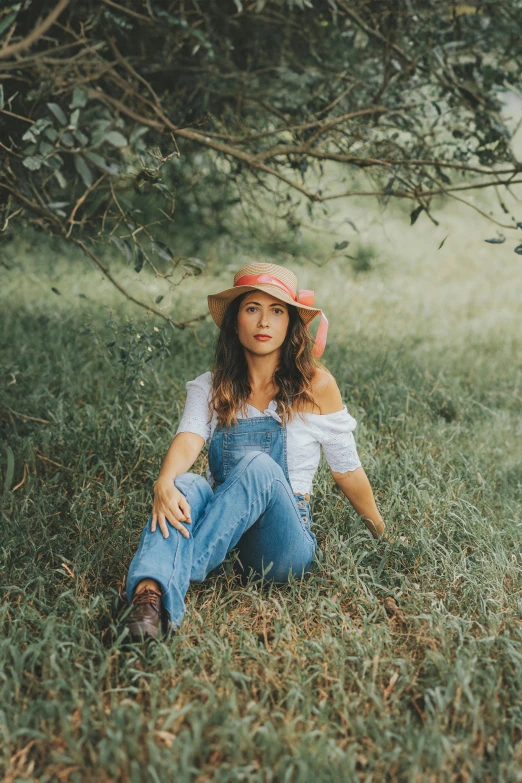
268,408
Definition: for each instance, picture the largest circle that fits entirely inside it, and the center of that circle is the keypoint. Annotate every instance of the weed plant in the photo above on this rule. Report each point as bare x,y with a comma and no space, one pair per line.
394,660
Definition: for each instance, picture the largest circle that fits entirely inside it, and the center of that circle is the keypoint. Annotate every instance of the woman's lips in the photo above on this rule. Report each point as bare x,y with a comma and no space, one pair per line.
262,337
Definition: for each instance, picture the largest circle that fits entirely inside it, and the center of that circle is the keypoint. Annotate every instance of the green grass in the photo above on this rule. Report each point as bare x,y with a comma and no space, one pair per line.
321,680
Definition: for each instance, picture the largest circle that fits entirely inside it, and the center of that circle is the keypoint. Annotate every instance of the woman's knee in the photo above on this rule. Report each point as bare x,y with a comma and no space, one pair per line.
283,572
193,482
261,462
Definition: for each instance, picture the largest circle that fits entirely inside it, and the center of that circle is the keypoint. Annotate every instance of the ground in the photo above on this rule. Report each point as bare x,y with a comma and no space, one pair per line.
393,661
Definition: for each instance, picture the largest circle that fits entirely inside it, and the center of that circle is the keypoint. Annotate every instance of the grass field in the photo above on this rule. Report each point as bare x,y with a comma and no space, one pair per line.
392,661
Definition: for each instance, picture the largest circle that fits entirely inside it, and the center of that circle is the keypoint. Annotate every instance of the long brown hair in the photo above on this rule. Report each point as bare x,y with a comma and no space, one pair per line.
293,377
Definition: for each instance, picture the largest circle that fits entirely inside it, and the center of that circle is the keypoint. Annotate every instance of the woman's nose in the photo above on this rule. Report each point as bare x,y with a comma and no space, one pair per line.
263,320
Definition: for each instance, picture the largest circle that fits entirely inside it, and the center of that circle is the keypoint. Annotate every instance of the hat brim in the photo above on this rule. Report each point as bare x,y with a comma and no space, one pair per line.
218,303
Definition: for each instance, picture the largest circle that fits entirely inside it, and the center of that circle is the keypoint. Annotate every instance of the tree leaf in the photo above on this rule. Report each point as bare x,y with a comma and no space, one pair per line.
58,113
67,139
79,99
137,133
194,265
123,246
9,19
98,160
61,179
73,119
29,135
341,245
415,214
518,250
33,163
51,133
162,250
41,124
116,138
55,291
159,298
57,206
80,137
54,161
83,170
441,244
496,240
46,149
162,188
140,260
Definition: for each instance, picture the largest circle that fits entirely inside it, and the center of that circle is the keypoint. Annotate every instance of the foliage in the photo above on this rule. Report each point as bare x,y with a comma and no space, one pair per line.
118,119
128,351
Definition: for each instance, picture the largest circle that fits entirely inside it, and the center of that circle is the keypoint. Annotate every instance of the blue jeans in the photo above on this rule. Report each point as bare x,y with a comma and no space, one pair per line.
254,510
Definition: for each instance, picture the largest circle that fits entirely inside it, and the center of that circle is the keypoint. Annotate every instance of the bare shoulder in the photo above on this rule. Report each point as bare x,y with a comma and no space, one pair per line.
326,394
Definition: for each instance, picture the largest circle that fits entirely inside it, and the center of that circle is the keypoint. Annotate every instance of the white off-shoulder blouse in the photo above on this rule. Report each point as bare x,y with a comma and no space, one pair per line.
307,434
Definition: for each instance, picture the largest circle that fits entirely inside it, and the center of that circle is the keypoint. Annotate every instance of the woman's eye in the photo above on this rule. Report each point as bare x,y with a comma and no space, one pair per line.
252,309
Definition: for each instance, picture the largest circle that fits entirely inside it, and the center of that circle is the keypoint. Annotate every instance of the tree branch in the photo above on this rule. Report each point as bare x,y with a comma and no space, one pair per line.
39,30
226,149
128,11
109,276
375,33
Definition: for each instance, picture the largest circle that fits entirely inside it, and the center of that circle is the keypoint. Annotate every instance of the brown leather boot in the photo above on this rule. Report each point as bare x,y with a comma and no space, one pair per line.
144,618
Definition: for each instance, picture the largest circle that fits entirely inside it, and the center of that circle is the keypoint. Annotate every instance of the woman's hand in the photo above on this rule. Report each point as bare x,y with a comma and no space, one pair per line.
377,529
170,505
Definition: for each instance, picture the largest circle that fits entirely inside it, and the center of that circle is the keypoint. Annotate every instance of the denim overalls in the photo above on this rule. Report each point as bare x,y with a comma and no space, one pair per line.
252,508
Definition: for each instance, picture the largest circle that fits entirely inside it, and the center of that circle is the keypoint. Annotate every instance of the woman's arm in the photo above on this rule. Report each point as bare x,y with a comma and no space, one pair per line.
354,483
170,505
356,487
181,455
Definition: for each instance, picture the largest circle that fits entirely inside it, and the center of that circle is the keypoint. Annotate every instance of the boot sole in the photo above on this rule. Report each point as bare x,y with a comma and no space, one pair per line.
140,631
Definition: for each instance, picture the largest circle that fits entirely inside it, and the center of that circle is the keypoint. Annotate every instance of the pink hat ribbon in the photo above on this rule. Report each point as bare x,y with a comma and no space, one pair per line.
305,297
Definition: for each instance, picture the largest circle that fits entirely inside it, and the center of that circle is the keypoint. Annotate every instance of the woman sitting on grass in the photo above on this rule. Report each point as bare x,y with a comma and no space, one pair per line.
268,408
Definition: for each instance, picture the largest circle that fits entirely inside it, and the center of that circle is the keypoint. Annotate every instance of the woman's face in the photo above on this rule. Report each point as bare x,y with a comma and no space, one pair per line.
262,323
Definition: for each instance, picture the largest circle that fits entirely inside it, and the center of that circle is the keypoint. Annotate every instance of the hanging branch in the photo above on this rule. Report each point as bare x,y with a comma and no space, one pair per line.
117,119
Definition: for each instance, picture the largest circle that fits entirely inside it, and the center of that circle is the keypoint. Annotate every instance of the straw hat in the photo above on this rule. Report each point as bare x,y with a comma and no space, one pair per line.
218,303
275,280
